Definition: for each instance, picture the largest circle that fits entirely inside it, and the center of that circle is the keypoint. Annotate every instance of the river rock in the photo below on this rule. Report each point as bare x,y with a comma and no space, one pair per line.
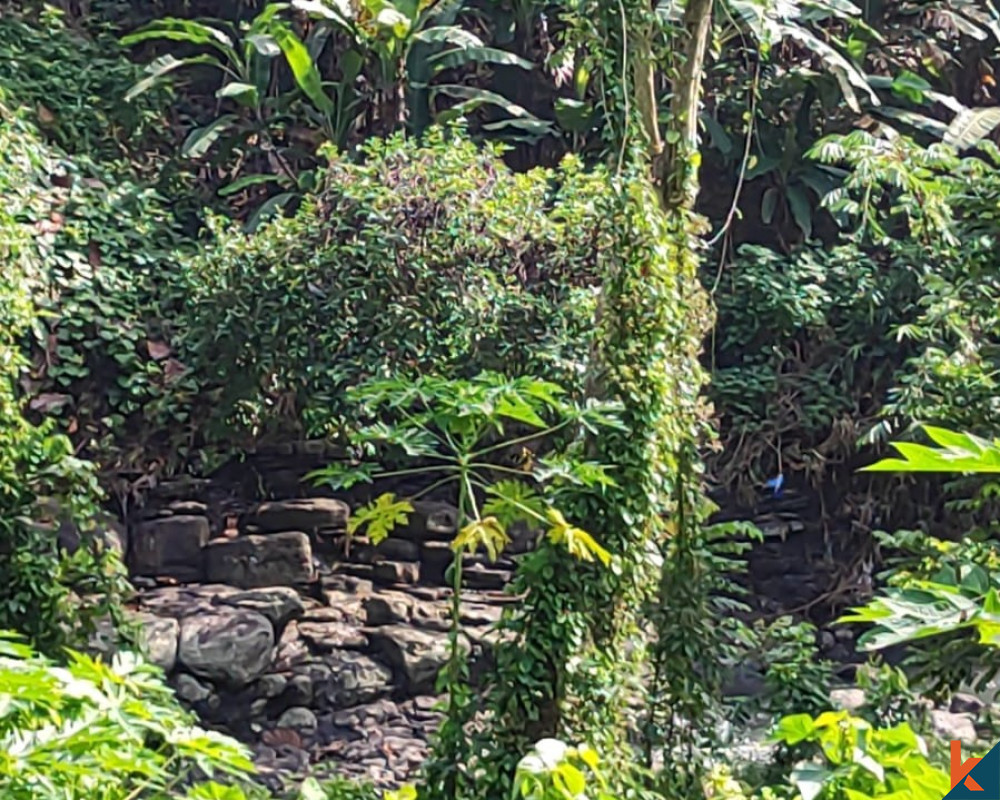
280,559
231,648
953,726
169,547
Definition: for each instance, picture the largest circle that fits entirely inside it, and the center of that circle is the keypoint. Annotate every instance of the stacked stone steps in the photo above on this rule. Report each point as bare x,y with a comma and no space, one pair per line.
319,649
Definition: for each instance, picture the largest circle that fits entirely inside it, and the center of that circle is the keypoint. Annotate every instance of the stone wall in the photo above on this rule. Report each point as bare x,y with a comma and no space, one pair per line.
319,651
313,650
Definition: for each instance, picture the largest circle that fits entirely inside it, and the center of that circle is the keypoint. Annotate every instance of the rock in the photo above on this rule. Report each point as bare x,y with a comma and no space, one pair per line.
429,521
353,679
272,685
392,572
341,585
299,718
966,703
303,514
745,680
435,558
190,689
477,614
953,726
158,640
231,648
188,507
388,608
299,690
280,559
393,549
847,699
326,636
280,604
477,576
169,547
184,601
417,655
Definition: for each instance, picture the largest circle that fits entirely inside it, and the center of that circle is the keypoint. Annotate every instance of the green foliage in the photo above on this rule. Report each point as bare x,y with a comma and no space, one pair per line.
427,257
302,72
461,430
794,675
954,452
555,771
71,84
848,757
42,481
112,731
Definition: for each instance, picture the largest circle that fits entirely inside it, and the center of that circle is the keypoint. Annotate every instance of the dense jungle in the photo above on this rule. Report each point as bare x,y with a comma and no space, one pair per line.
482,399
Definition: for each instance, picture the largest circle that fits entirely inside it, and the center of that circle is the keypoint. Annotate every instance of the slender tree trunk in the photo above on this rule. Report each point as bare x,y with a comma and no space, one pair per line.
676,170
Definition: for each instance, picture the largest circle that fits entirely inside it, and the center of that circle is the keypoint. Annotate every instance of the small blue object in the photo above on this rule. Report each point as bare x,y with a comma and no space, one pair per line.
776,483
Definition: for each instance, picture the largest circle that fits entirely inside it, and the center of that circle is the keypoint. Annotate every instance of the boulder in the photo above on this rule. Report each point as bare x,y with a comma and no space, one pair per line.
280,604
389,608
966,704
231,648
183,601
169,547
280,559
416,655
310,514
158,640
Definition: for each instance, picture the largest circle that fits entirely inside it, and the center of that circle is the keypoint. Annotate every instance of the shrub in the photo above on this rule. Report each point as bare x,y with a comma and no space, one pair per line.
112,731
422,256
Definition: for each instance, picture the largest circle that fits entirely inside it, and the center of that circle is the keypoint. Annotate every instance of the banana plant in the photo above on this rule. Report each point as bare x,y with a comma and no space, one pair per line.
411,46
246,62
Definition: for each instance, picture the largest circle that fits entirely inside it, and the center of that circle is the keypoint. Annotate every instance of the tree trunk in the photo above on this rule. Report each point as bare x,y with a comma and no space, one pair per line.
676,170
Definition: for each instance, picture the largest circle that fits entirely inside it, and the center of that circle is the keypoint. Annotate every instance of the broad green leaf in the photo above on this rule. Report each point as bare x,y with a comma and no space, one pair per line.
794,729
264,44
477,55
809,780
200,140
164,65
487,533
243,93
269,207
449,34
303,68
379,517
183,30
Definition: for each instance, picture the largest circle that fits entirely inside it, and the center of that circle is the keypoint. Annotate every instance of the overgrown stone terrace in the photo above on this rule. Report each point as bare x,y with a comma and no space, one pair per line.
315,647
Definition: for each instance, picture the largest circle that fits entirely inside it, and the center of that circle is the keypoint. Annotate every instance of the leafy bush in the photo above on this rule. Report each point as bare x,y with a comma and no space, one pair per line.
112,731
42,482
848,757
424,257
